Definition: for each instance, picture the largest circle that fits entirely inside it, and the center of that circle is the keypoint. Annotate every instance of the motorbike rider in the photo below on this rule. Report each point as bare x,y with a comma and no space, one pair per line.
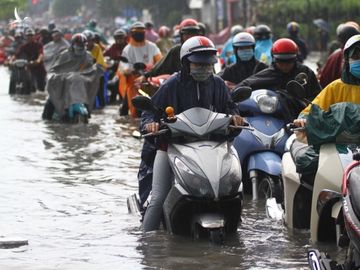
54,48
293,29
32,51
150,33
92,26
345,89
74,59
114,52
139,50
169,64
194,86
164,42
263,45
227,53
246,64
333,66
283,69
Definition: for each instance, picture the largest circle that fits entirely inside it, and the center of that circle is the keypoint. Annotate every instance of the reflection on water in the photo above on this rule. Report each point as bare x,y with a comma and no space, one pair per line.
64,188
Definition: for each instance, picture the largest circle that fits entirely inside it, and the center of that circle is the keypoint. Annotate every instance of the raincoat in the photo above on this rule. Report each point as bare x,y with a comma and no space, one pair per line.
263,51
73,79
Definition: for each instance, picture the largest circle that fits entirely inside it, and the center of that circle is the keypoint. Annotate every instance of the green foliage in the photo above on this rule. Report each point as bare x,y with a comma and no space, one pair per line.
63,8
7,8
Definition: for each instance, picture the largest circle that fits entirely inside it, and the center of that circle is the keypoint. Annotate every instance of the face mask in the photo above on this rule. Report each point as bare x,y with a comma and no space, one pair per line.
138,36
245,55
355,68
201,73
79,50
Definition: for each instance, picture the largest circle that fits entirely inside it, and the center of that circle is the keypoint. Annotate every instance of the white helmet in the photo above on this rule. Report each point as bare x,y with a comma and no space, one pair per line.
243,39
236,29
199,49
350,43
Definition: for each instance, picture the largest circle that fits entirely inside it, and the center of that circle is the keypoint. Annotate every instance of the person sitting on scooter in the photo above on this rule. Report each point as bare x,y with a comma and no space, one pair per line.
246,64
32,51
194,86
345,89
74,59
284,69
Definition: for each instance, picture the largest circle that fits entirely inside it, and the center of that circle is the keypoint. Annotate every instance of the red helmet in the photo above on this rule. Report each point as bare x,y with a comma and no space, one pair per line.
189,26
284,49
164,31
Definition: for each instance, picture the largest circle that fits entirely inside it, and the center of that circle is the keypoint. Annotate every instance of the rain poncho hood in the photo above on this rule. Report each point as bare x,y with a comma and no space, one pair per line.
52,50
73,79
263,51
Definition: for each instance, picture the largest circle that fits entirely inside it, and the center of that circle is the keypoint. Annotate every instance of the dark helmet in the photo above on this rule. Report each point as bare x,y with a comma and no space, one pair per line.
284,49
137,25
79,39
293,28
346,31
189,26
262,31
351,203
89,35
93,23
149,25
51,26
119,33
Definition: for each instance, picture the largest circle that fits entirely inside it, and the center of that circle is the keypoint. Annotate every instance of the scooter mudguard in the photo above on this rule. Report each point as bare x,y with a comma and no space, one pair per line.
267,162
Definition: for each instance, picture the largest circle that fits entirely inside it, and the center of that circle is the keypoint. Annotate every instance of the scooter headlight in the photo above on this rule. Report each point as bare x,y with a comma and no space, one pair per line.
230,182
267,103
198,186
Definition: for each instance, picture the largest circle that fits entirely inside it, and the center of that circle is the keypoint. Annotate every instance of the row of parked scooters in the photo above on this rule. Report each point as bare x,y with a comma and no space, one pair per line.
206,198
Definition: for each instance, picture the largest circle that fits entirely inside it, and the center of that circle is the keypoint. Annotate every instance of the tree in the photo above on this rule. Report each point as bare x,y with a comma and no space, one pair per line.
7,8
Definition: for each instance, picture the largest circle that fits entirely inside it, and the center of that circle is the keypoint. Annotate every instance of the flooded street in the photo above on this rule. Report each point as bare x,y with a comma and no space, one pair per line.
64,189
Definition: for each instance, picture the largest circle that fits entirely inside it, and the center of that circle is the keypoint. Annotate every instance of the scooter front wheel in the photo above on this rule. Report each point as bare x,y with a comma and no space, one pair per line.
269,188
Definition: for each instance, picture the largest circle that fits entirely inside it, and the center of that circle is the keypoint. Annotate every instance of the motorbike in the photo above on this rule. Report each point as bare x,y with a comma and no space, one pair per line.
20,78
261,149
206,197
312,198
350,209
72,95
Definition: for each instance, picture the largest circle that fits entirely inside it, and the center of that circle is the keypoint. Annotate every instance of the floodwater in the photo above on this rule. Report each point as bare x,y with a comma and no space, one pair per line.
64,189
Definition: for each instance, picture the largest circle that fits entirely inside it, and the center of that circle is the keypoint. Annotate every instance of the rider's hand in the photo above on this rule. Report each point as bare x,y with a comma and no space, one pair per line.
237,120
138,81
152,127
300,135
230,85
300,122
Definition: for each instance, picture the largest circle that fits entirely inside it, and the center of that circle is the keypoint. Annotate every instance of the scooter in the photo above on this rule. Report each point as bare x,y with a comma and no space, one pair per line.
20,78
206,197
314,200
261,148
350,209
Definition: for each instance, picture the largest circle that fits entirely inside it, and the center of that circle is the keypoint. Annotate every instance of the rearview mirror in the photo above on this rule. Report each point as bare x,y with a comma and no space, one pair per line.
301,78
241,93
139,66
295,89
145,104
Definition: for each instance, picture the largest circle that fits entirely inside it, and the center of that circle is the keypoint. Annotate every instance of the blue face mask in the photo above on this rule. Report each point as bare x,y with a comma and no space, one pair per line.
245,55
355,68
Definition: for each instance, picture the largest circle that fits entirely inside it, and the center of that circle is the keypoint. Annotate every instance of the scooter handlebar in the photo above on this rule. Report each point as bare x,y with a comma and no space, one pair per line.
292,127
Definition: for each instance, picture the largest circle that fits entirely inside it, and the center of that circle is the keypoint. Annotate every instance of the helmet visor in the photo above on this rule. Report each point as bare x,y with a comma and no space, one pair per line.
203,58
